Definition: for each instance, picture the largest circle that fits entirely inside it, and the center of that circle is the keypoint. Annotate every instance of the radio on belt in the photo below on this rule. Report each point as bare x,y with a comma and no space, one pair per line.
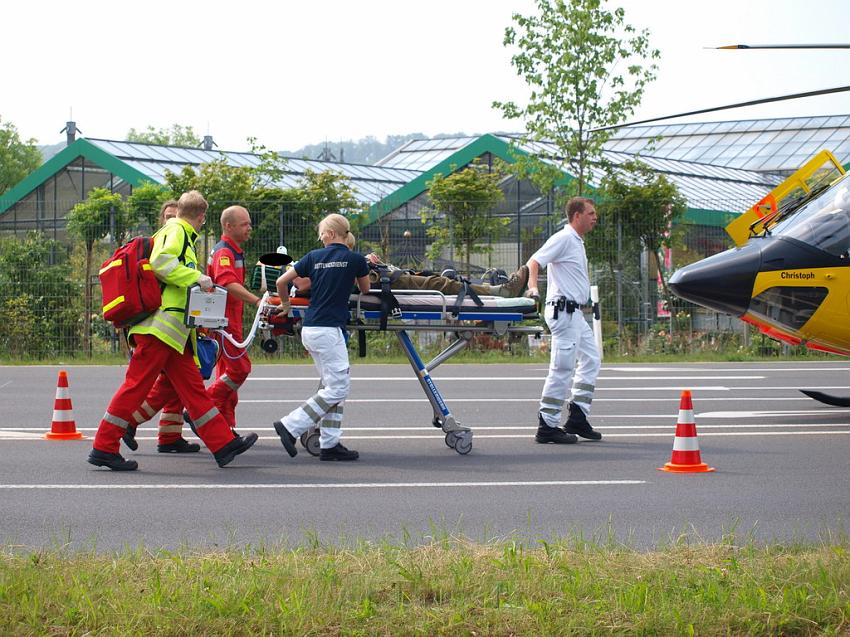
206,309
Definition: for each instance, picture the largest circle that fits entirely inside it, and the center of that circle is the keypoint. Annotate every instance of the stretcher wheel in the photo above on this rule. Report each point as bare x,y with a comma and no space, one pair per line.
437,422
310,441
463,442
269,345
451,439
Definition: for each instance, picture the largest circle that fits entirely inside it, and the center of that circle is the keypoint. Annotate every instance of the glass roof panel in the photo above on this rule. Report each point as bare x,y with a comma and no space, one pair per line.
708,127
836,120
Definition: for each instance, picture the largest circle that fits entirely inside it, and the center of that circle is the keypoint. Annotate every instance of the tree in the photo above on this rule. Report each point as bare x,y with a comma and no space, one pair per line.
637,211
17,158
301,208
39,302
272,166
568,54
221,184
144,203
460,215
177,135
102,214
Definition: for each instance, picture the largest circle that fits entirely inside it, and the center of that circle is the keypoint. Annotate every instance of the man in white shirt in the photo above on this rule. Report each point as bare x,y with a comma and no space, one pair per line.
574,358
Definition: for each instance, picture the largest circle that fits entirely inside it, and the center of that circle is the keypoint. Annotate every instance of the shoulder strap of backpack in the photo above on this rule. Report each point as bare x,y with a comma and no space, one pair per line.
182,256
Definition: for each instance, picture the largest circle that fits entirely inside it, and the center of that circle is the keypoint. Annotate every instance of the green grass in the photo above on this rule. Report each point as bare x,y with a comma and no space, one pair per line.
448,587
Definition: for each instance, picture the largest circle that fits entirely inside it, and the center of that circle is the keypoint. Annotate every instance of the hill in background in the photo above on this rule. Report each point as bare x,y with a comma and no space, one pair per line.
363,151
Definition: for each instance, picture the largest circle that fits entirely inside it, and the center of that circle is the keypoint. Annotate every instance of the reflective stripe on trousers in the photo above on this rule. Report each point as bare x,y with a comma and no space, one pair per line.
574,364
330,356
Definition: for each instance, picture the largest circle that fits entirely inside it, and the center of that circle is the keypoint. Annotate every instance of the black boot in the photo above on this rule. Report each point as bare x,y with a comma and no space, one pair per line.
112,460
555,435
338,453
129,438
578,424
238,445
181,445
286,438
189,422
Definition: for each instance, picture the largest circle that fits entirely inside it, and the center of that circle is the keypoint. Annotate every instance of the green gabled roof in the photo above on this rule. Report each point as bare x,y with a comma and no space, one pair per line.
505,151
80,148
484,144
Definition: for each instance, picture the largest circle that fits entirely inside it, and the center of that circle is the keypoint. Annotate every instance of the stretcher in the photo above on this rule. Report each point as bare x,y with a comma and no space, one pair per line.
417,310
433,311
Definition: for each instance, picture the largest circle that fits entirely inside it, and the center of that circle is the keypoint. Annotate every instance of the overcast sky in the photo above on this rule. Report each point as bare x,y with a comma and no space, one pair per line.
296,73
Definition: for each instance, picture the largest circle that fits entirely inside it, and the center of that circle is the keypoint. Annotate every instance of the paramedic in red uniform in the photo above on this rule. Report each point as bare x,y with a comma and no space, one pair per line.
163,343
226,267
170,436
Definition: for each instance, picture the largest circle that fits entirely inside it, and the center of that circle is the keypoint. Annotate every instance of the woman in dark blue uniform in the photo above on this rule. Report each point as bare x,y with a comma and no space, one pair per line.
332,271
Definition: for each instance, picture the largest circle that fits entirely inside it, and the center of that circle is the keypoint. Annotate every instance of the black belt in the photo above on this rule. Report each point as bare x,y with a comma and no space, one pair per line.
564,305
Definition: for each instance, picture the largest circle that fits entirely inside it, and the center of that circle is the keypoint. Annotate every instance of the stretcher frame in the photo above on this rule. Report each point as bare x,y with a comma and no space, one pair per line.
463,322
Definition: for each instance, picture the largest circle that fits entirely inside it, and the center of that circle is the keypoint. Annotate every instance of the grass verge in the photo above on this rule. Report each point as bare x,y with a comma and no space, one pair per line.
450,587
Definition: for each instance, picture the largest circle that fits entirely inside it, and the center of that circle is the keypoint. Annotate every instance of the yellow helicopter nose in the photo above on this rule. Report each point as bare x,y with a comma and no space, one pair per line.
723,282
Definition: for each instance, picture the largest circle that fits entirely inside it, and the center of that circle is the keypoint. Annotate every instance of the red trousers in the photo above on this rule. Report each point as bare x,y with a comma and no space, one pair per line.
186,385
162,396
231,371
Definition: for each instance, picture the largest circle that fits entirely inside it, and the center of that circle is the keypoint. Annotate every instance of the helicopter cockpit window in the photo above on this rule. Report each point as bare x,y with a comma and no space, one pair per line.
789,306
823,223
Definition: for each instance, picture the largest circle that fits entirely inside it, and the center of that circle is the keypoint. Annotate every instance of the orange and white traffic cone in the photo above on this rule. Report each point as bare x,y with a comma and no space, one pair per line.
686,458
63,426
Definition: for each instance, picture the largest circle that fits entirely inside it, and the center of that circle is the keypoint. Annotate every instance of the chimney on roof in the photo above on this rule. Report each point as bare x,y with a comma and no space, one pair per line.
326,154
208,143
71,129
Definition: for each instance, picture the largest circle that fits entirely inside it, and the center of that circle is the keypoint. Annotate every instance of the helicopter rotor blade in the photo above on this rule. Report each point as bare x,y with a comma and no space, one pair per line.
766,100
827,399
781,46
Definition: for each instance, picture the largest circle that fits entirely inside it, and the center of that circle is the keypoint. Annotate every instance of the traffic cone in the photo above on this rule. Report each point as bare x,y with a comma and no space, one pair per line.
686,458
63,426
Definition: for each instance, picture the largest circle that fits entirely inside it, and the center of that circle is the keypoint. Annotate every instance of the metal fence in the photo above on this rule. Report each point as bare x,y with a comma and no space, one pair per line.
44,284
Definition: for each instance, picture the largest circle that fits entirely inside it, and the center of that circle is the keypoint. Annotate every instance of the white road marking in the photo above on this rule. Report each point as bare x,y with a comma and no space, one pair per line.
650,370
437,435
535,399
766,414
536,379
669,434
329,485
15,432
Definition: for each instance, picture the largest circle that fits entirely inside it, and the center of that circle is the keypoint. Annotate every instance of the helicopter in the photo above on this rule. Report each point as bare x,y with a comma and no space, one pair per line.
789,272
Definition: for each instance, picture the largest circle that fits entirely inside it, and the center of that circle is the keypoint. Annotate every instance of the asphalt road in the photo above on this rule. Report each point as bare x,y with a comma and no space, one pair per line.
781,460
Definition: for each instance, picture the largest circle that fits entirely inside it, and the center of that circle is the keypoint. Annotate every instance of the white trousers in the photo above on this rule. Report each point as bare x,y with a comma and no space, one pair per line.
324,408
574,364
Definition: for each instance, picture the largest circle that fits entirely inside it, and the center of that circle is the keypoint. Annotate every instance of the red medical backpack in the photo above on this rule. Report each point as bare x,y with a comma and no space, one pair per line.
131,291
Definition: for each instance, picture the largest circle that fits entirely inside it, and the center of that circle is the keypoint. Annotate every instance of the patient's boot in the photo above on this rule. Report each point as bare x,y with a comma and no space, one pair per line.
515,286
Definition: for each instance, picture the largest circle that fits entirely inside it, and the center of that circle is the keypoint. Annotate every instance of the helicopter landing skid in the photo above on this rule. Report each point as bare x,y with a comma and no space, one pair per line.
835,401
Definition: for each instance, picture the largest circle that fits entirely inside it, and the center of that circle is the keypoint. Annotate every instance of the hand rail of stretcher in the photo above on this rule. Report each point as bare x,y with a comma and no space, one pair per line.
444,314
250,337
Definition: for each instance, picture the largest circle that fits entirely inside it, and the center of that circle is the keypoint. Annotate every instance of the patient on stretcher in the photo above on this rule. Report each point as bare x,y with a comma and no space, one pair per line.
456,293
400,279
404,280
